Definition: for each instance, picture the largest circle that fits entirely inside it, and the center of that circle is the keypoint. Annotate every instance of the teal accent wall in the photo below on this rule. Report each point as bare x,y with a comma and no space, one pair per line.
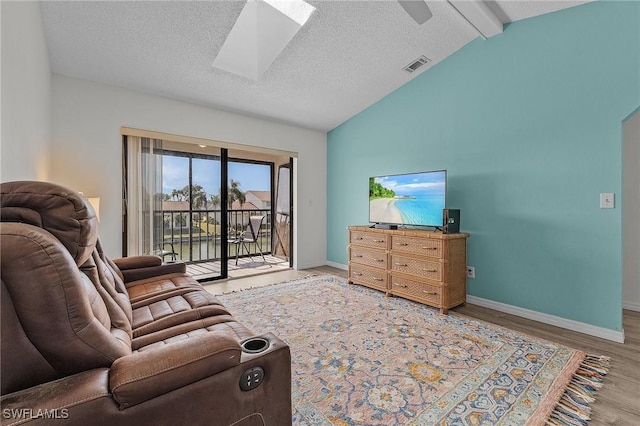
528,125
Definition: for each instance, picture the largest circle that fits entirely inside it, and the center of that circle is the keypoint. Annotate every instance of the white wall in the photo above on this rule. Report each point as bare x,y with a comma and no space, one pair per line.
25,93
87,152
631,213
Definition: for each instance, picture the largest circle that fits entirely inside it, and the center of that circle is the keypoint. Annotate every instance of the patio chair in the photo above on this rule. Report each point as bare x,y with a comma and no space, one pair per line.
250,235
166,249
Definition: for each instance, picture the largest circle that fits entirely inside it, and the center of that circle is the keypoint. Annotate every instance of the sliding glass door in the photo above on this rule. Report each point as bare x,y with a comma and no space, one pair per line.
205,205
193,222
250,191
283,238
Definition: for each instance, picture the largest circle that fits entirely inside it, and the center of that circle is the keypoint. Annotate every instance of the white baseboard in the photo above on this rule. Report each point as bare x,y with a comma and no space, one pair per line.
580,327
310,264
632,306
337,265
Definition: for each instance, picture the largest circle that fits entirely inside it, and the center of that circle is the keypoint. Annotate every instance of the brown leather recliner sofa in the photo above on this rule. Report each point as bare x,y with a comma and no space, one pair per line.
90,341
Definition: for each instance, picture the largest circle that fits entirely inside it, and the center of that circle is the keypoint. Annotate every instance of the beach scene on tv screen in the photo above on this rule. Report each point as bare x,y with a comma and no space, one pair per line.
412,199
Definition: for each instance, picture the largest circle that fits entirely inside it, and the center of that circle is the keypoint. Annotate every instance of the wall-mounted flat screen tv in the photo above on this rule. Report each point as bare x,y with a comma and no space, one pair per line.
408,199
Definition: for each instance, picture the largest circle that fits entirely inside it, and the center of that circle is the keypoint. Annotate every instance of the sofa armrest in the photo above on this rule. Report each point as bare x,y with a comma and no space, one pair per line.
145,375
136,268
55,400
135,262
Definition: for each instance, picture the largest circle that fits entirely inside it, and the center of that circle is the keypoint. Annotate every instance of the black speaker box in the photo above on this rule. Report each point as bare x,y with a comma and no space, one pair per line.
385,226
450,221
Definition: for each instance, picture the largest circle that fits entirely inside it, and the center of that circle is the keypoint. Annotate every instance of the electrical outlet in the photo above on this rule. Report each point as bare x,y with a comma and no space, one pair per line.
471,272
607,200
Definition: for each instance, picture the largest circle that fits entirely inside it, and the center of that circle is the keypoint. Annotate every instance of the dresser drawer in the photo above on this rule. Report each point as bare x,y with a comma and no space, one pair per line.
418,267
416,245
424,266
365,256
376,278
369,239
416,290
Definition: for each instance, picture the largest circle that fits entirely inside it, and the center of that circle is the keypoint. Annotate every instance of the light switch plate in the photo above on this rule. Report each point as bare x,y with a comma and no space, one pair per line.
607,200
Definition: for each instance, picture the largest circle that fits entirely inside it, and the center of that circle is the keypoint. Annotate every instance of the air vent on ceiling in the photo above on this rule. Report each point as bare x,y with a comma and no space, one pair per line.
413,66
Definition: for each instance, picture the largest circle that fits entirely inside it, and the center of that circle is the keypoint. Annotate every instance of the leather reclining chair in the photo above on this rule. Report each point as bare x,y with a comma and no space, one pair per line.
86,340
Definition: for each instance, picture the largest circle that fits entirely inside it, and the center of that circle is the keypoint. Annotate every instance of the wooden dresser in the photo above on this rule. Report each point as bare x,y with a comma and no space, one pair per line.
426,266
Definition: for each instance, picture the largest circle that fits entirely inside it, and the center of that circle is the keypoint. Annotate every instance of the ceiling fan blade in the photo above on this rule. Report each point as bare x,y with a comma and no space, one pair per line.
417,9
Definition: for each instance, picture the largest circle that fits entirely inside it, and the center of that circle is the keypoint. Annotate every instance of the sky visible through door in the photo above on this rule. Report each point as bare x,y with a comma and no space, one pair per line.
175,175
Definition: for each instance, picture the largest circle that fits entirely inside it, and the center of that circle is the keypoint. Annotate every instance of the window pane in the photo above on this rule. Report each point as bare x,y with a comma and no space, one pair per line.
249,194
175,206
206,217
206,183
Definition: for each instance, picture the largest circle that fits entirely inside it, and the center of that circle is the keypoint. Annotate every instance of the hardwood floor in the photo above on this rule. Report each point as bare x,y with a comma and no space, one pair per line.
617,403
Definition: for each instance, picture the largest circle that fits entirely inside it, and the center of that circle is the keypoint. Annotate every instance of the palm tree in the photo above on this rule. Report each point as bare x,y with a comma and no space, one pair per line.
195,194
198,197
177,195
214,200
235,194
242,198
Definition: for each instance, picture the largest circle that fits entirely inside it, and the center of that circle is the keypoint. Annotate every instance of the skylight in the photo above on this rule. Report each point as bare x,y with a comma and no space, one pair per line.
262,31
297,10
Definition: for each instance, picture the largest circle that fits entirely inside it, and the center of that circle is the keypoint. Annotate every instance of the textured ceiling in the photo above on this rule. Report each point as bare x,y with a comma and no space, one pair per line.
349,55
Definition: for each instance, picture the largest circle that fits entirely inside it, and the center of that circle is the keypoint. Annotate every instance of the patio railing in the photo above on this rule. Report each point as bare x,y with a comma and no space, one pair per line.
196,235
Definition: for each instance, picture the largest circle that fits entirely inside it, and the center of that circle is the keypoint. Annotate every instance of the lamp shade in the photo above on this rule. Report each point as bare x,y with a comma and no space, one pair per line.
95,203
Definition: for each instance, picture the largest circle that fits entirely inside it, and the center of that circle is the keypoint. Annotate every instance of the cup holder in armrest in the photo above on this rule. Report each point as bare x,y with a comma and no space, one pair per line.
255,345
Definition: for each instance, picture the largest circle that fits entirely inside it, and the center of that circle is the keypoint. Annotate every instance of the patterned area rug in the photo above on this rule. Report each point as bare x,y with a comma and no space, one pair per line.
361,358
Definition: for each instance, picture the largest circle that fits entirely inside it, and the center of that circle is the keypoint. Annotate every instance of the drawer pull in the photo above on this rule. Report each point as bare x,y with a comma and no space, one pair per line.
429,270
430,248
379,260
358,238
357,255
378,279
401,264
403,244
433,293
379,241
357,274
400,285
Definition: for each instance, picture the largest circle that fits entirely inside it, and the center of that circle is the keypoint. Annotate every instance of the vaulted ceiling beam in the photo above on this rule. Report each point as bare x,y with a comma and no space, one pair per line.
478,14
